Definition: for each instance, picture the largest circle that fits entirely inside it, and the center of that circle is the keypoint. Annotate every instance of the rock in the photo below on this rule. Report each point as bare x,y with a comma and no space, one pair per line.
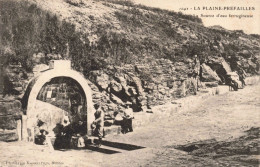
3,110
101,79
138,84
245,54
122,80
211,84
221,47
216,63
150,86
225,65
208,74
19,89
162,90
40,67
149,111
8,136
115,86
132,91
112,107
18,84
7,122
108,122
10,108
74,2
116,100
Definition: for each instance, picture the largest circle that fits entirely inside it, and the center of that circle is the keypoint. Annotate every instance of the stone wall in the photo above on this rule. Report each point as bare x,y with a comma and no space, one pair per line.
147,85
144,85
10,113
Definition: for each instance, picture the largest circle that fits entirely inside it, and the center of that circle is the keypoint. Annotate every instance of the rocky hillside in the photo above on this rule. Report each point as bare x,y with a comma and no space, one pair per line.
129,52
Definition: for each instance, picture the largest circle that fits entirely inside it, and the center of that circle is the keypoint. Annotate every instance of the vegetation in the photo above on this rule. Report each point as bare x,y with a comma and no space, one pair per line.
28,30
146,33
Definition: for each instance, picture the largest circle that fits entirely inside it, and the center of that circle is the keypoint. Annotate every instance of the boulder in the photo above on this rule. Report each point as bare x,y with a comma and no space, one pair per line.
116,87
216,63
245,54
138,84
225,65
208,74
100,79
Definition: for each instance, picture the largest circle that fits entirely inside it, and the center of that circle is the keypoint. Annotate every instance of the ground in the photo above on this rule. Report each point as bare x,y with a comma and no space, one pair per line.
219,120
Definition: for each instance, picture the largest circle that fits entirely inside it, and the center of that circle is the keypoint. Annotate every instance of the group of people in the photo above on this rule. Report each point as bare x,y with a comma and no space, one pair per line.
67,132
233,84
71,135
64,132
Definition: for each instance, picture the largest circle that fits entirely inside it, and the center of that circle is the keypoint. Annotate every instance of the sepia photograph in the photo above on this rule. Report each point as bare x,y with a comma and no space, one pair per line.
129,83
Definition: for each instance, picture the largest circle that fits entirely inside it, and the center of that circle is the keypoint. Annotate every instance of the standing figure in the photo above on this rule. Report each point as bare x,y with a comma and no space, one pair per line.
242,77
232,84
195,76
127,119
99,123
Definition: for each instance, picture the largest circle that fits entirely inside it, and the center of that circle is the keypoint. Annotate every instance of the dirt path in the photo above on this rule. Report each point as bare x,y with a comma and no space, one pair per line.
223,118
220,117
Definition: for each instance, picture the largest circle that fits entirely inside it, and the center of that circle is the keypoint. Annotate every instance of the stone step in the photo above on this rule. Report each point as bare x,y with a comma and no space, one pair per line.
114,130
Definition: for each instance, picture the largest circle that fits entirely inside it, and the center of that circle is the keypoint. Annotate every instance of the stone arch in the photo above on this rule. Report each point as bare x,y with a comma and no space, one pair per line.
45,77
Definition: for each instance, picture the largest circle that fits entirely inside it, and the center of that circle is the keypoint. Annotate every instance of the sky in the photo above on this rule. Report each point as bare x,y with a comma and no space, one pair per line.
249,25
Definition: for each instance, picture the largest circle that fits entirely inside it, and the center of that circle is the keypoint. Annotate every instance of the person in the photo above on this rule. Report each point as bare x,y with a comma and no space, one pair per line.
194,81
242,77
127,119
41,139
67,133
80,131
195,78
232,84
99,123
80,128
81,142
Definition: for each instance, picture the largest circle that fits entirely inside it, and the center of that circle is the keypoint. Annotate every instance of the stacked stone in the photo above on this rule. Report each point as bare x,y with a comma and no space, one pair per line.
103,98
15,80
10,111
164,82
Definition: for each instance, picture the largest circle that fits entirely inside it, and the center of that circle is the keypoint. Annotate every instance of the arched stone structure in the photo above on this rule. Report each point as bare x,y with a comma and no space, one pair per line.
58,68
